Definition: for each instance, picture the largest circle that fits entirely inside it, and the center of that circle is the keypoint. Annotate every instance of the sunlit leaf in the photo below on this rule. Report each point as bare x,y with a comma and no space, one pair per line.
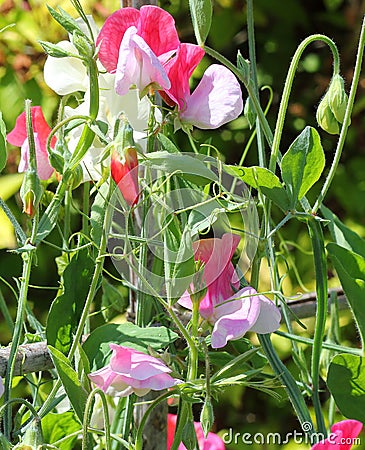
302,164
346,381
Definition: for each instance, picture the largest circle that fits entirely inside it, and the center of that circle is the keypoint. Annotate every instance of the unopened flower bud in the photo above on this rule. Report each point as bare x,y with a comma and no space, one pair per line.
83,45
198,289
31,192
124,164
207,417
33,438
249,113
325,117
337,97
332,108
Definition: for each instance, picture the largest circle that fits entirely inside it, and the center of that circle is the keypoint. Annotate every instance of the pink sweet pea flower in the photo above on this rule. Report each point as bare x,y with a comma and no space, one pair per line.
18,137
130,43
231,313
211,442
216,100
342,436
219,273
130,371
125,174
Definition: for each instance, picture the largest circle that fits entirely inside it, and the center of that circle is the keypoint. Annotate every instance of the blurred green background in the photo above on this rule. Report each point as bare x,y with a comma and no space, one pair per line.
280,27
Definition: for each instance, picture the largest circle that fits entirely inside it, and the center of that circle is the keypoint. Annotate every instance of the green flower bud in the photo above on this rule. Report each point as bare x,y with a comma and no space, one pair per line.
83,45
332,108
33,438
31,192
199,286
337,97
325,117
249,113
207,417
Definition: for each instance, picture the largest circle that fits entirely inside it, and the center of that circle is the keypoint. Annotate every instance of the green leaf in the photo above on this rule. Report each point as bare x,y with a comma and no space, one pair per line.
166,144
302,164
3,153
65,20
97,347
68,376
343,235
112,301
350,268
191,167
54,50
201,15
58,426
346,381
263,180
67,307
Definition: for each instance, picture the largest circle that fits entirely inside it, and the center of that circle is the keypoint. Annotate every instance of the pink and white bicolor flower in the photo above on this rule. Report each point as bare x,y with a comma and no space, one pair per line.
232,313
216,100
130,371
342,436
130,44
18,137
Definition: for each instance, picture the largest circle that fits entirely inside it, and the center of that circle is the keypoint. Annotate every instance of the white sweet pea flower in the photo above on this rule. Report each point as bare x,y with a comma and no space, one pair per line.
68,75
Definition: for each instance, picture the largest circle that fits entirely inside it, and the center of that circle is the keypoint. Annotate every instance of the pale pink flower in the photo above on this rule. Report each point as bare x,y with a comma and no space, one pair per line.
216,100
18,137
231,313
130,43
245,311
138,65
342,436
130,371
211,442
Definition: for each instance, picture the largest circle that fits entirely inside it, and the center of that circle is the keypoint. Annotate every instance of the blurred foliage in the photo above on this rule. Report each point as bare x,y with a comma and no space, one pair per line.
280,27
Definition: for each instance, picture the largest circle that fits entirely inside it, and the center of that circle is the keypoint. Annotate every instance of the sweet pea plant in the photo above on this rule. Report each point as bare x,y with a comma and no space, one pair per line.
185,235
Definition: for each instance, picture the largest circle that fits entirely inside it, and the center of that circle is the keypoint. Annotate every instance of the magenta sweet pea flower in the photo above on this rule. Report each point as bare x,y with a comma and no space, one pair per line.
130,371
231,313
18,137
124,171
211,442
130,43
216,100
342,436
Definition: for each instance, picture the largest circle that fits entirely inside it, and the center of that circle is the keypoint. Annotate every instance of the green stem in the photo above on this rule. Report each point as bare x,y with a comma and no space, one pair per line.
346,120
288,86
85,208
87,417
320,263
18,326
252,56
139,436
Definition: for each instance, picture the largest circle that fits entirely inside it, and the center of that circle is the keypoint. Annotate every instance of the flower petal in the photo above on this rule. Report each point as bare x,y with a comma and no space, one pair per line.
344,430
234,324
155,382
268,320
111,35
44,169
134,364
157,28
179,70
66,75
138,65
216,100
